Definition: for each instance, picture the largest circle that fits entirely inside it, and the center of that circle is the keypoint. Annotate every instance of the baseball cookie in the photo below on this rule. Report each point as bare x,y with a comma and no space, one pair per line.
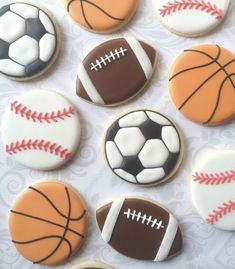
41,129
28,41
102,16
143,147
139,229
115,71
190,18
92,265
48,222
202,84
213,189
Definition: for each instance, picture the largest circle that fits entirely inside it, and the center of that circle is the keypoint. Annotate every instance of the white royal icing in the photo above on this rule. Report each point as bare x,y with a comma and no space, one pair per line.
11,68
125,175
150,175
133,119
171,138
25,10
158,118
46,47
47,23
113,154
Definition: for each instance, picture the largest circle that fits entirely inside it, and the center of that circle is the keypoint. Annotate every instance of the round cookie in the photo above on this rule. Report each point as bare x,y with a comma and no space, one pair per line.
190,18
92,265
202,84
48,222
41,129
213,189
30,44
143,147
115,71
140,229
101,16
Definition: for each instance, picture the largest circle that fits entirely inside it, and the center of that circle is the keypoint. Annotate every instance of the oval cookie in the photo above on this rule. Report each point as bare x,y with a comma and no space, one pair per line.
92,265
115,71
190,18
48,222
102,16
139,229
213,189
30,44
143,147
202,84
41,129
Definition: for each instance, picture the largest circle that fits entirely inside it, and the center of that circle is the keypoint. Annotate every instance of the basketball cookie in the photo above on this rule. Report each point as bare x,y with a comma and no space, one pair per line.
202,84
213,189
48,223
190,18
143,147
140,229
92,265
115,71
28,41
41,129
102,16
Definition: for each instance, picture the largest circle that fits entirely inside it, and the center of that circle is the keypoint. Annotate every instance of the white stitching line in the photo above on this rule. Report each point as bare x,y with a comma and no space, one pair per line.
108,58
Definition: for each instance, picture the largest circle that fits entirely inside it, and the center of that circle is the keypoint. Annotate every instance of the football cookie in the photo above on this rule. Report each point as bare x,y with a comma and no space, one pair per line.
41,129
102,16
28,41
92,265
115,71
213,189
143,147
139,229
202,84
48,222
190,18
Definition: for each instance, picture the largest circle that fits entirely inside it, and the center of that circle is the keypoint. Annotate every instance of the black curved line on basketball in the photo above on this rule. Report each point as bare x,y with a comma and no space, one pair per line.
218,98
45,220
84,16
57,210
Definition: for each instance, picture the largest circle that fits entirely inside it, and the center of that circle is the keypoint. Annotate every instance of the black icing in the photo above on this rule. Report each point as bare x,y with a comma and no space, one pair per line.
35,28
34,67
132,165
4,49
171,162
151,130
111,132
4,9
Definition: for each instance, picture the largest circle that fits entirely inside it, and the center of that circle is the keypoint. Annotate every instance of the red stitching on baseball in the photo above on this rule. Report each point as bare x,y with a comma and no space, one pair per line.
54,116
216,178
202,5
220,212
47,146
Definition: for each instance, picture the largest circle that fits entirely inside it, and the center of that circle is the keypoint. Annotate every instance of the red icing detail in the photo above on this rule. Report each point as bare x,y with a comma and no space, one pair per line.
202,5
47,146
220,212
53,116
216,178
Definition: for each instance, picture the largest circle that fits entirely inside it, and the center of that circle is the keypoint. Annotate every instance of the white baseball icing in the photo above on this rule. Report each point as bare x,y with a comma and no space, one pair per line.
113,154
25,10
213,189
150,175
158,118
46,47
133,119
171,138
47,23
191,17
41,115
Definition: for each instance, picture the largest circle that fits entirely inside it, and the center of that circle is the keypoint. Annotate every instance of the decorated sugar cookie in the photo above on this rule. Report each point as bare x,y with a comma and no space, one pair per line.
115,71
48,222
103,16
143,147
190,18
28,41
92,265
41,129
202,84
213,189
139,229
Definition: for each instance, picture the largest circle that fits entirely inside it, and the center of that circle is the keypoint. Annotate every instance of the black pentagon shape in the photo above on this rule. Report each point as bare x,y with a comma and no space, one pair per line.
4,49
112,131
132,165
170,163
34,67
4,9
35,29
151,130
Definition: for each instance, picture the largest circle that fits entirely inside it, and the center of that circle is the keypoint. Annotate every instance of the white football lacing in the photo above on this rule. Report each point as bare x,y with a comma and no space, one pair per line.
108,58
148,220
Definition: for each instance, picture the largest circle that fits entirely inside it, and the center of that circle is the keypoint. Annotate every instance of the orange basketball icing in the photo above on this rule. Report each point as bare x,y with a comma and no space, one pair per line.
101,15
202,84
48,223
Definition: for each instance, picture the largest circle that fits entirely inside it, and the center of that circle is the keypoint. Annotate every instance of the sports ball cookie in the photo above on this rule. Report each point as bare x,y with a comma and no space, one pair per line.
213,189
202,84
190,18
115,71
143,147
28,41
41,129
139,229
92,265
103,16
48,222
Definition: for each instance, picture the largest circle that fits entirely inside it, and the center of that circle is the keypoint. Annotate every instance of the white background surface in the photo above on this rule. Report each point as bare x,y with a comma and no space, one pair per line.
204,246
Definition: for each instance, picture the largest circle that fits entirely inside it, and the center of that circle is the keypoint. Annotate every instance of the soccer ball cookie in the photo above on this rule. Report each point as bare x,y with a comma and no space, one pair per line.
28,41
48,222
92,265
140,229
143,147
